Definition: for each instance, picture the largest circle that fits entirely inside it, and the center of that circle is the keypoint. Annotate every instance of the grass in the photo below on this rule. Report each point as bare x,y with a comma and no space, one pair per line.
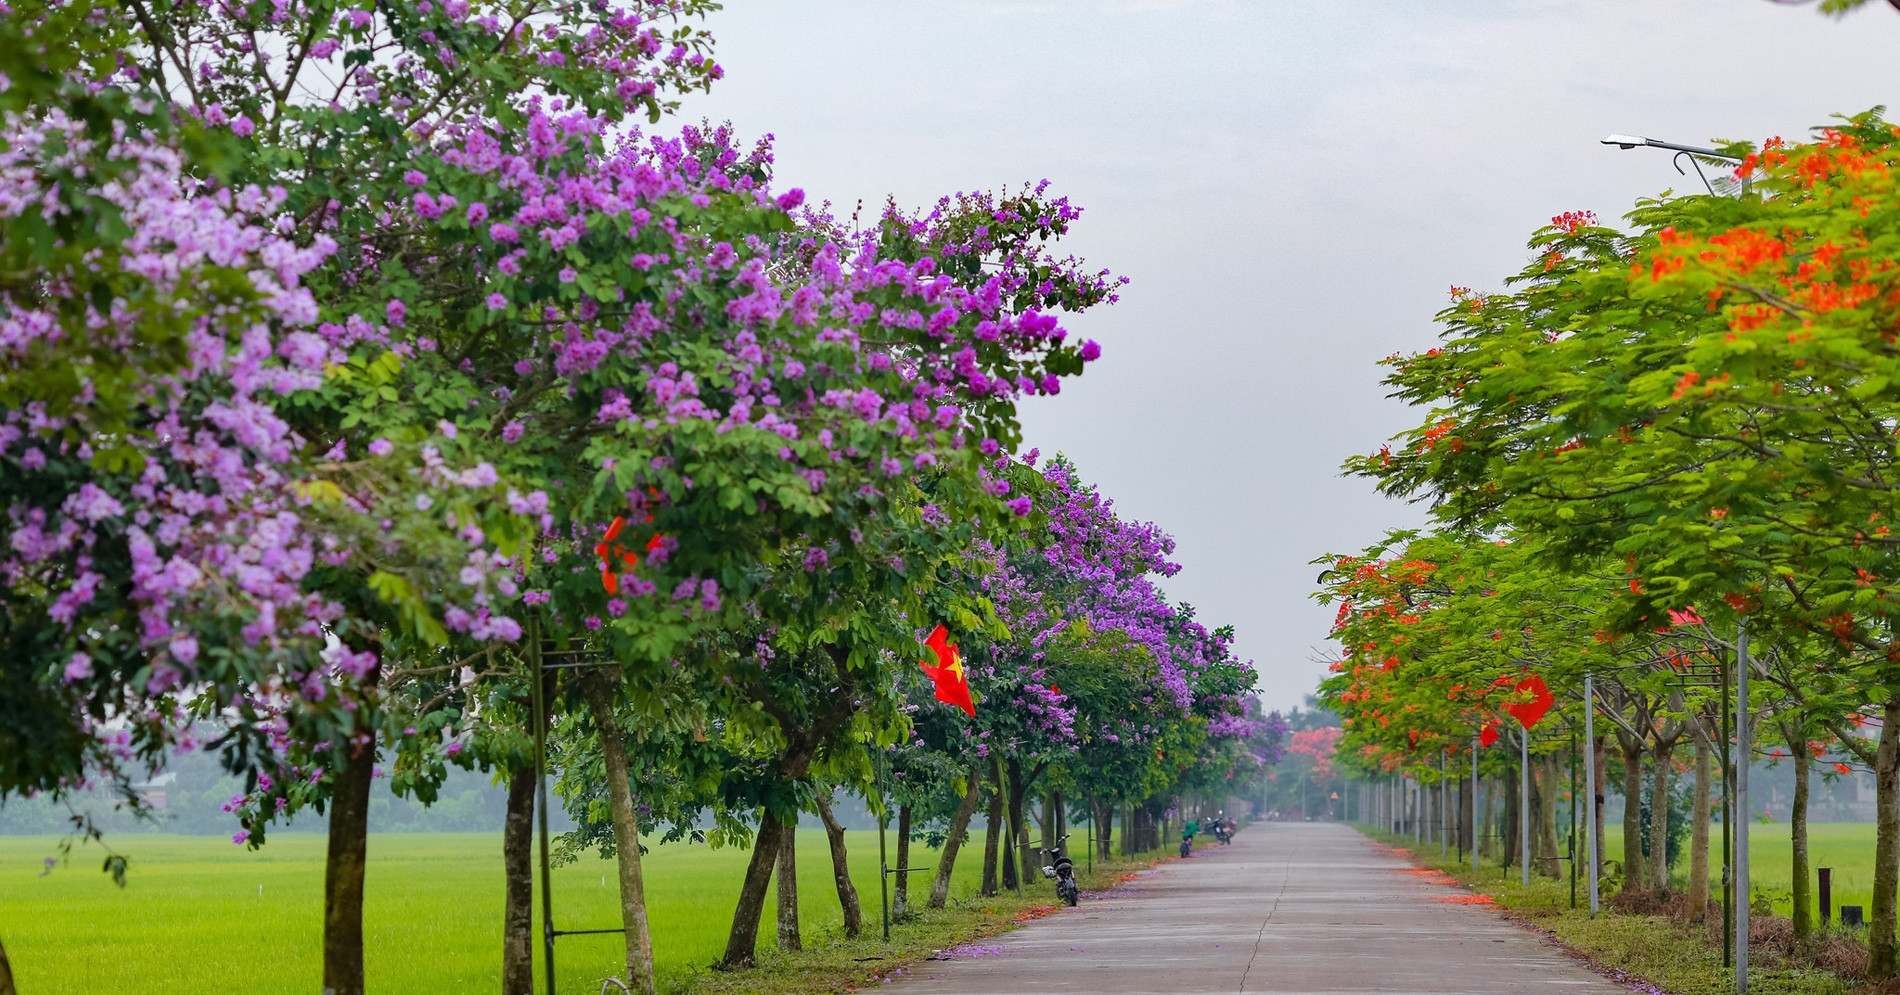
200,915
1676,958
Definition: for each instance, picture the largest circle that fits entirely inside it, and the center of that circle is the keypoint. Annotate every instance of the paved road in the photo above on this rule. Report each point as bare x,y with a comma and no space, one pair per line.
1286,908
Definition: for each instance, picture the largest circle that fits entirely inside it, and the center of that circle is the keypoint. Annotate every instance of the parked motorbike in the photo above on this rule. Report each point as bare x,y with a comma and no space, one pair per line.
1061,870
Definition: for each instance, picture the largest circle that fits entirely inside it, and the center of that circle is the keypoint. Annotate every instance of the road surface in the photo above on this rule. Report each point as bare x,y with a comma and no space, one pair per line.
1287,907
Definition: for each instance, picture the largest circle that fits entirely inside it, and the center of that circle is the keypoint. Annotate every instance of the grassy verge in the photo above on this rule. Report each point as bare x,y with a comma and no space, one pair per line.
1661,951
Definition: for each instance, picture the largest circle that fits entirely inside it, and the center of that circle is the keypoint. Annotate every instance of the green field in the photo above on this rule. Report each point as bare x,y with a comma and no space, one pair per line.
199,915
1847,847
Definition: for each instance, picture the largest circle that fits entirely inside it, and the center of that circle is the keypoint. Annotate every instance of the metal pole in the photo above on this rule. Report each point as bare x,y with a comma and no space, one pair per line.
1524,804
541,794
1742,756
884,877
1591,842
1728,833
1476,798
1444,803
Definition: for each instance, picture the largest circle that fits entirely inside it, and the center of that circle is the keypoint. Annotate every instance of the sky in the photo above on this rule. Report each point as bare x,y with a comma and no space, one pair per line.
1292,187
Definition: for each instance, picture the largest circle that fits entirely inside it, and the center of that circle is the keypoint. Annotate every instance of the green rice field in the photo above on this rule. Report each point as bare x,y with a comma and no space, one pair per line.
199,915
1847,847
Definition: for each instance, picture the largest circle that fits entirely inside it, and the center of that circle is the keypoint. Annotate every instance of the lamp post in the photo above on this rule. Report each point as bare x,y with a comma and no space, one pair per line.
1591,844
1695,155
1742,756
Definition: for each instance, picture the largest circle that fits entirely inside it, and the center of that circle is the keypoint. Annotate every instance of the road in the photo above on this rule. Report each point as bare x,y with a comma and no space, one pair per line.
1286,908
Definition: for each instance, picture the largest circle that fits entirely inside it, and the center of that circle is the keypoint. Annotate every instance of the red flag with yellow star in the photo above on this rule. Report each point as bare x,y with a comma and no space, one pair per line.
952,688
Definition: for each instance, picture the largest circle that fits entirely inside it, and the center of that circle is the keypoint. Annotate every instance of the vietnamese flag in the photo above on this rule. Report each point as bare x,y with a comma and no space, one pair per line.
952,688
609,550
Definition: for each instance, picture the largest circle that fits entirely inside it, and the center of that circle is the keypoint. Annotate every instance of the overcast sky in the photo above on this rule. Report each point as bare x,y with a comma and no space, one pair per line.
1292,185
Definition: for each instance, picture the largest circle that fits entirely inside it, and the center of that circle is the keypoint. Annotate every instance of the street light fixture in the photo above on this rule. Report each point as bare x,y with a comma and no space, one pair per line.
1694,153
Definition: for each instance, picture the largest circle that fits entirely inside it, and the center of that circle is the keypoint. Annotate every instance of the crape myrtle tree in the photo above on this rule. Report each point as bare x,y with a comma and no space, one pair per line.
1704,404
425,360
493,262
1087,573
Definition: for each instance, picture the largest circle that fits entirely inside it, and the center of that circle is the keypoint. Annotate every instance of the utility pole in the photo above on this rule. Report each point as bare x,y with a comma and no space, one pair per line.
1476,815
1742,755
1590,775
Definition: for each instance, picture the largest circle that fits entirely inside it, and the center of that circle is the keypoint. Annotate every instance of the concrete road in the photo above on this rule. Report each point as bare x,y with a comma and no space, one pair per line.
1286,908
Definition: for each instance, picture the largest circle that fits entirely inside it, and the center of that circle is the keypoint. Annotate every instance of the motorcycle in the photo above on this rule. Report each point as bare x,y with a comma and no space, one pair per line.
1222,835
1061,870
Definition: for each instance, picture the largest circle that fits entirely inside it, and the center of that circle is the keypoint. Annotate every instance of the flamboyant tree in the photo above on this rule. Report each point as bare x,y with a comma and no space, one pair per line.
1697,413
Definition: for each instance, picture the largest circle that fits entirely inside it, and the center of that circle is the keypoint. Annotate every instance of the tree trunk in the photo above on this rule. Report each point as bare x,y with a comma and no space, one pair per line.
1663,767
787,875
993,833
1798,834
1019,823
1483,842
1547,815
598,689
1880,933
1699,831
1598,793
517,859
742,943
900,889
6,973
1102,822
841,870
1509,817
343,871
1634,868
959,828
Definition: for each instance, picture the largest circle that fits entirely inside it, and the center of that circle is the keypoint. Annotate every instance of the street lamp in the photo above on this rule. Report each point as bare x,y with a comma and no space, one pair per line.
1694,153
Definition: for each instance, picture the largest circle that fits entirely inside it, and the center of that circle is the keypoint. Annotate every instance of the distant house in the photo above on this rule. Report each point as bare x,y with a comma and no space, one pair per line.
152,792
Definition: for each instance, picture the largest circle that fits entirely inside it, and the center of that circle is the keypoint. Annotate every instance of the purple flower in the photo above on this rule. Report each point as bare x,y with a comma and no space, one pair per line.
791,199
240,836
415,177
381,447
1090,351
477,213
242,127
567,274
78,668
396,311
1020,506
513,431
496,301
503,232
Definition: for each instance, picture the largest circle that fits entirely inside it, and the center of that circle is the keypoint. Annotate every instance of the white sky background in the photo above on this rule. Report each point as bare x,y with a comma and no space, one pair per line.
1292,185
